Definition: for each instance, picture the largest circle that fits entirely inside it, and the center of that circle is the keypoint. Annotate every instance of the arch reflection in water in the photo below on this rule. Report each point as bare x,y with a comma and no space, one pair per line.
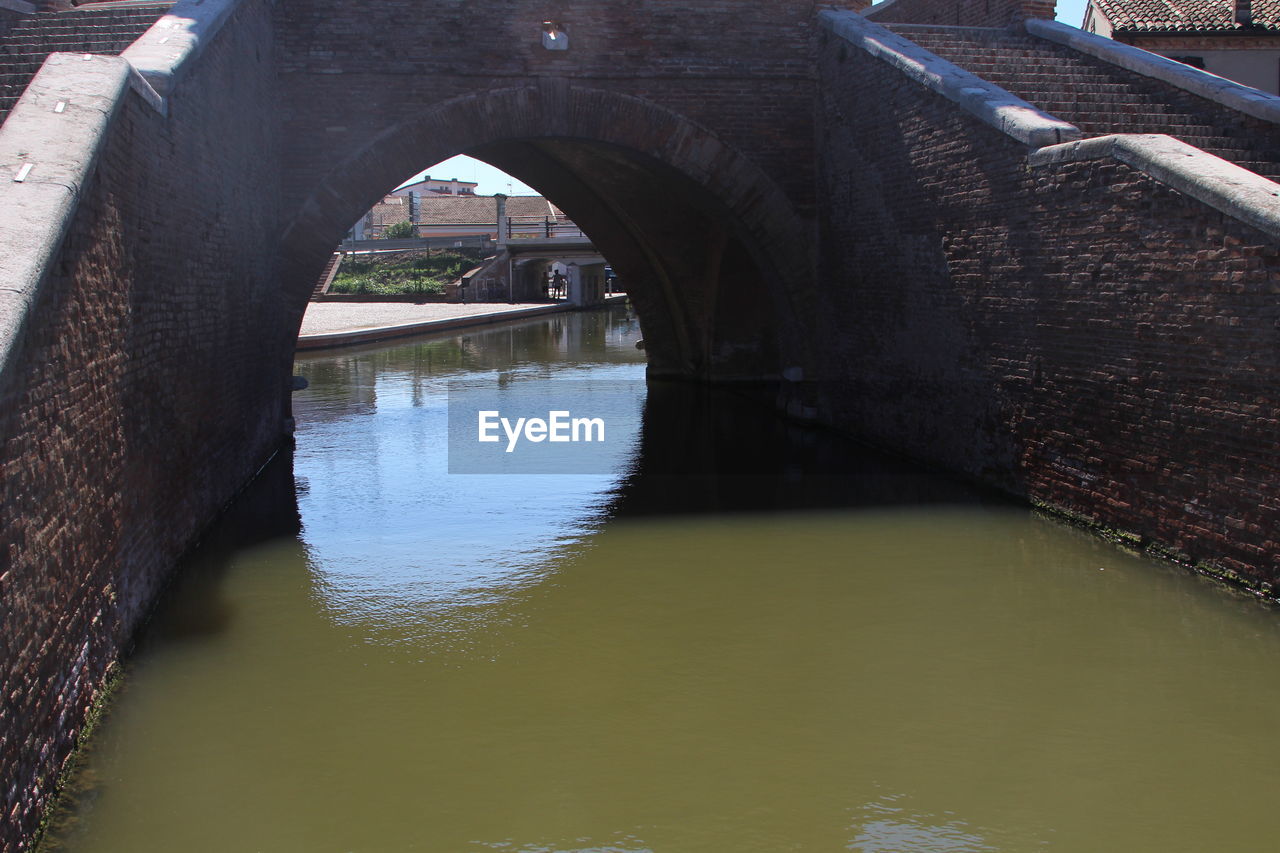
755,638
420,537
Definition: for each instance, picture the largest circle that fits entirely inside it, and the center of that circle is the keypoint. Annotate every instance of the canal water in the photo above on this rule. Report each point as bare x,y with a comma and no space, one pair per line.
747,636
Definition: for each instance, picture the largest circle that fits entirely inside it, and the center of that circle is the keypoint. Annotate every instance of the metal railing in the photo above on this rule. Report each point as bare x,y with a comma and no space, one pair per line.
541,228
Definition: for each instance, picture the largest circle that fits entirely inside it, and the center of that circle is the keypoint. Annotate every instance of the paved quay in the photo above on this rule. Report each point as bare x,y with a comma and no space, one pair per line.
333,324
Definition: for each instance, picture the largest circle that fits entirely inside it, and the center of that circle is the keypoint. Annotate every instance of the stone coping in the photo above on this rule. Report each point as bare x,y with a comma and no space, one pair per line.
351,337
52,138
1222,185
18,6
1246,99
164,52
49,146
995,106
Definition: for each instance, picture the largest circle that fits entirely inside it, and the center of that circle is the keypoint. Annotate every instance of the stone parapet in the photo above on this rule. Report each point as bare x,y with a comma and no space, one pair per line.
995,106
143,363
961,13
1246,99
1089,326
1226,187
176,41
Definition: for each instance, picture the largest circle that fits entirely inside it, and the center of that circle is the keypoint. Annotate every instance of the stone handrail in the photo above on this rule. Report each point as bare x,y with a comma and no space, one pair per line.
997,107
1224,186
49,146
54,135
175,41
1246,99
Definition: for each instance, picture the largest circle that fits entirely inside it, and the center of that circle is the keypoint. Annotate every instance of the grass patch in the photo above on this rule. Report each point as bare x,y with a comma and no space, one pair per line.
413,273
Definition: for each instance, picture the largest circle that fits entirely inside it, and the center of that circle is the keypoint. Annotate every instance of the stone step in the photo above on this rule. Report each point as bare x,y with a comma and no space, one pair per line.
1097,97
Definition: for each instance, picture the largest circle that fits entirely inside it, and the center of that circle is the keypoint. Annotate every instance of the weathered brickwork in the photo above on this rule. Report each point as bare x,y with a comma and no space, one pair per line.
1079,335
714,85
963,13
149,385
8,18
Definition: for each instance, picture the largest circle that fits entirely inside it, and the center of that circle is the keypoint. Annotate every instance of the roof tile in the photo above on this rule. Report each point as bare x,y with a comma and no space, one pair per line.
1193,16
481,210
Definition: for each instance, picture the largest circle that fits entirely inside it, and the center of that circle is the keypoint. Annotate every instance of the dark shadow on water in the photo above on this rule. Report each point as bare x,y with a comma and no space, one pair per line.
193,606
704,450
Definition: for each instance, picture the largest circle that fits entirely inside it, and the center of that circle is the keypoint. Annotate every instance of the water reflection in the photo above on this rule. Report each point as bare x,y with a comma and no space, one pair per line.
889,825
754,637
392,535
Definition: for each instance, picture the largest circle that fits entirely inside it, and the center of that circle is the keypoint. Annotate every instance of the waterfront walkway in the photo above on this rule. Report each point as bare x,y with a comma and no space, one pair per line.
335,324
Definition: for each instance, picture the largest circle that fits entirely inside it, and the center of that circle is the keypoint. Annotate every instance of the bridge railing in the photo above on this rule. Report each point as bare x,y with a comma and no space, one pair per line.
541,228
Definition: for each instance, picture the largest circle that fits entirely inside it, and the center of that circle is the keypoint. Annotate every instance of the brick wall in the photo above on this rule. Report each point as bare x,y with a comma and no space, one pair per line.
149,381
742,70
686,97
8,18
961,13
1079,335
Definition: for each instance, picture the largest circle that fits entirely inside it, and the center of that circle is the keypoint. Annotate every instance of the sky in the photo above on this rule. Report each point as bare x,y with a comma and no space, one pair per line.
1071,11
493,180
464,168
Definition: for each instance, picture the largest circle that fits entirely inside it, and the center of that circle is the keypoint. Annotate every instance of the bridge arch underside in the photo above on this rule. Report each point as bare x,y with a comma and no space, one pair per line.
712,254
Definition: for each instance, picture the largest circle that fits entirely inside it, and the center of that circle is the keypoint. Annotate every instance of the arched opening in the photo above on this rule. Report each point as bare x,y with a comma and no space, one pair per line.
714,254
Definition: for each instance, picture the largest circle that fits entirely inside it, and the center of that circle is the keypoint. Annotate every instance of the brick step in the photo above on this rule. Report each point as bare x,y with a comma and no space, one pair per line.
89,16
1040,72
69,38
1128,118
1095,96
49,38
63,45
1103,101
1065,84
1132,114
62,35
43,41
39,42
1024,66
28,59
85,28
39,36
98,25
86,20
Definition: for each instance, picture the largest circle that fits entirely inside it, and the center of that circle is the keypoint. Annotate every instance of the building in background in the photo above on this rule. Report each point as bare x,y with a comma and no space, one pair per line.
431,186
1236,39
389,211
463,215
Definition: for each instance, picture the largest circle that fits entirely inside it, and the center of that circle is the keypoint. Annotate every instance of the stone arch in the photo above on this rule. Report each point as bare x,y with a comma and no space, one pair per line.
677,210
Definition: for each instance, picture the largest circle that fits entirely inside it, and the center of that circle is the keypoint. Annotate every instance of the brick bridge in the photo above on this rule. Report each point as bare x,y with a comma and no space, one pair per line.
804,201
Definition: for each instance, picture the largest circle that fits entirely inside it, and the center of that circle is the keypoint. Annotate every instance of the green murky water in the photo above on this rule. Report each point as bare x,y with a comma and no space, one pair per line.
749,637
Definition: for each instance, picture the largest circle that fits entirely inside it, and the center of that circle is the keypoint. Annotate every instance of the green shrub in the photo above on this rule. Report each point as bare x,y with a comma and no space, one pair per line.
399,231
412,273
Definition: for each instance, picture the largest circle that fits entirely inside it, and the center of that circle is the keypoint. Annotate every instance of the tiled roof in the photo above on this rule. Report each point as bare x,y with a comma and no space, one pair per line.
1190,16
388,212
481,210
